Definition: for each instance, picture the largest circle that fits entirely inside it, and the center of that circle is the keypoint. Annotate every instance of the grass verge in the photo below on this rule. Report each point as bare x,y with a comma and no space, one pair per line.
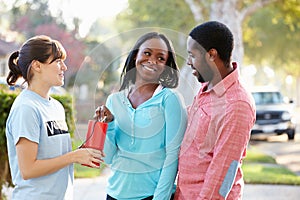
260,168
87,172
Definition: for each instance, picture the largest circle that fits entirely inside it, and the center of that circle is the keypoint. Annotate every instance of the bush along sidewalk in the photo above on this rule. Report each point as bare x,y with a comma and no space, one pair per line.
260,168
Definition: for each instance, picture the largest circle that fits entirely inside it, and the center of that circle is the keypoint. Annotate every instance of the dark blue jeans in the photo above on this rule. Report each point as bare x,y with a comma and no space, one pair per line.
148,198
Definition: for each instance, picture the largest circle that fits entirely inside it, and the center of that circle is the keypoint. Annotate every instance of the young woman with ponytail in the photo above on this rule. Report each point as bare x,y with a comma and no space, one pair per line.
39,144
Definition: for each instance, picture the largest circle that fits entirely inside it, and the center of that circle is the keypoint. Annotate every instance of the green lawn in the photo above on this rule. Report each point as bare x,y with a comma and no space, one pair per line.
258,168
87,172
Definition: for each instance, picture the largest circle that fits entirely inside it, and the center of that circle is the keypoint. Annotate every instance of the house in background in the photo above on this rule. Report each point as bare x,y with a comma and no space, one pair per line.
6,48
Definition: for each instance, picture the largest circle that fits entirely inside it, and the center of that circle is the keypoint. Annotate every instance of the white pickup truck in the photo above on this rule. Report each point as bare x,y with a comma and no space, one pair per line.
273,113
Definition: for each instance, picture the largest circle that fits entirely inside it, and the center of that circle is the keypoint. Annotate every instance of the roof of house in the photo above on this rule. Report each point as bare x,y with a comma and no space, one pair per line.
7,47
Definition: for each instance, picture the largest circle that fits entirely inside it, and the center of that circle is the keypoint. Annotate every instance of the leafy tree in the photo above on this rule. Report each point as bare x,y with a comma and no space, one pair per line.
231,12
272,37
26,16
173,14
101,30
183,15
279,19
263,26
34,17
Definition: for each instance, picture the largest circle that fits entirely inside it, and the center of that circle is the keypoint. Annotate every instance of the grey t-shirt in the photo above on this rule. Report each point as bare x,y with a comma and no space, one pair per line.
42,121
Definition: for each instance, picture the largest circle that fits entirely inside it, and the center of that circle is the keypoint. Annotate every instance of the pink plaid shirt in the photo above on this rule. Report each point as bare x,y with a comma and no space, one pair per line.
215,142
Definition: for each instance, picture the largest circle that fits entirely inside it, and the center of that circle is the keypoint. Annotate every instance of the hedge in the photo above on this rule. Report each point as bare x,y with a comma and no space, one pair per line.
6,100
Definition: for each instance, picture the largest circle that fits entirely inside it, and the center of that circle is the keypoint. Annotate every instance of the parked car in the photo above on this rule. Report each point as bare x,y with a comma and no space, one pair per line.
274,114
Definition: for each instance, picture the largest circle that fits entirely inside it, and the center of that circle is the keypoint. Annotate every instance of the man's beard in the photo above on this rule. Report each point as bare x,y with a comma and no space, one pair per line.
208,76
200,78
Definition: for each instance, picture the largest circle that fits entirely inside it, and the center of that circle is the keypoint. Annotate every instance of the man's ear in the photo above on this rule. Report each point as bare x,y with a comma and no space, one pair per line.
212,55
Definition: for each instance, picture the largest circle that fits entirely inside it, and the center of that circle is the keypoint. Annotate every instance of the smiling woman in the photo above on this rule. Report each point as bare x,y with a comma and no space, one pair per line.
147,120
38,140
87,11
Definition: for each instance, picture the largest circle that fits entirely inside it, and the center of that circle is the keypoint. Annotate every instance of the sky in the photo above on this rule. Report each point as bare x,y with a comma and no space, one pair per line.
87,10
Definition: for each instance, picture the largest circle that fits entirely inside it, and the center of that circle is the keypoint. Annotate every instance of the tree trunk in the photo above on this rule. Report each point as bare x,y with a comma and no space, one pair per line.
233,15
230,13
225,12
196,9
298,91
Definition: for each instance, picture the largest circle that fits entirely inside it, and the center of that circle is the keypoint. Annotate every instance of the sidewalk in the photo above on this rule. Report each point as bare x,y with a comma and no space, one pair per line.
86,189
94,188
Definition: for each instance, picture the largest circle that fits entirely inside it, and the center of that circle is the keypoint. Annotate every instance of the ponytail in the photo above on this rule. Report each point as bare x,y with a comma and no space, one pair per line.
39,48
15,71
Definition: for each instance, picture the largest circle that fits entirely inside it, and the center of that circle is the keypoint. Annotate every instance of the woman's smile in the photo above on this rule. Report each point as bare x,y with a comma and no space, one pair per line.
148,68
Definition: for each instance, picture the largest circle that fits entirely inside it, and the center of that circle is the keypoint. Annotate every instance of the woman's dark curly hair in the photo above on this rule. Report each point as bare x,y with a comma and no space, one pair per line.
169,77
